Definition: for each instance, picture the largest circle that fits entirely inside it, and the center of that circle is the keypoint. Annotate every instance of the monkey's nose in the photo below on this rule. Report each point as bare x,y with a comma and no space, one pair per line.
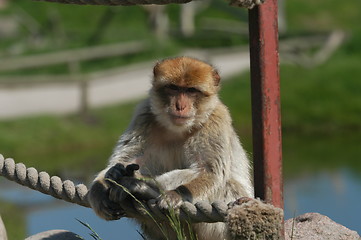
180,107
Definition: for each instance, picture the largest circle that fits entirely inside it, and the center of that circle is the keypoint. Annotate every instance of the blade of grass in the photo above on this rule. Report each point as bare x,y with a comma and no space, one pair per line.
141,204
93,234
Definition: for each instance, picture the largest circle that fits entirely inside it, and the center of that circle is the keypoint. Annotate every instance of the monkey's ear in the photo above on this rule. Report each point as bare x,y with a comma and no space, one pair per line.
156,69
216,77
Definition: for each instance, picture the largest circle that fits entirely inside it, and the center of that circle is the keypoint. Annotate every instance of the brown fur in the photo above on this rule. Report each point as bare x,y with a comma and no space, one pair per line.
187,72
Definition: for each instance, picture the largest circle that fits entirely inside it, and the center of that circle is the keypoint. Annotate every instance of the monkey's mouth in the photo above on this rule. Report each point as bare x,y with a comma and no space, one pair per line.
179,120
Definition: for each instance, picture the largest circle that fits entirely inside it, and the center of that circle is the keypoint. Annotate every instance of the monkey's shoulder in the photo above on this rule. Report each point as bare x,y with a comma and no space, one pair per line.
143,115
220,117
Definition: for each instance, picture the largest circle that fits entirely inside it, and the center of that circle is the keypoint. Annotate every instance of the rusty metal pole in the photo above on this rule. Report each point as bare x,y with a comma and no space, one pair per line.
266,117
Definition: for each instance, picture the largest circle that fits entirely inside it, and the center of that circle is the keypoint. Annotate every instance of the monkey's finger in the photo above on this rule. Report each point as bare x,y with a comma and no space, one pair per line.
120,168
113,210
115,173
117,195
115,213
145,192
131,168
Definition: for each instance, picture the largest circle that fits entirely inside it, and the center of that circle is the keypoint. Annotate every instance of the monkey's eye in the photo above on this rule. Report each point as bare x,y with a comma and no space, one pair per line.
172,87
192,90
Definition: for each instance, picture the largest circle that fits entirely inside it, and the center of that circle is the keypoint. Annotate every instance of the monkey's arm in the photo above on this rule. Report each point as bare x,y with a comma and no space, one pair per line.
100,189
187,185
202,179
129,147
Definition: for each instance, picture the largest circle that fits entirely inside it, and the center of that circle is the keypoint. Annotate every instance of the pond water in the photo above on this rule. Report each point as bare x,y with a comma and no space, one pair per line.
45,213
334,194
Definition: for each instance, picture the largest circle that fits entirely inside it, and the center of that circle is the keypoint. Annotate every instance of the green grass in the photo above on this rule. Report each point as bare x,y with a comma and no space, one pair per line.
92,233
166,227
322,15
126,24
321,109
316,100
79,27
44,141
14,220
130,23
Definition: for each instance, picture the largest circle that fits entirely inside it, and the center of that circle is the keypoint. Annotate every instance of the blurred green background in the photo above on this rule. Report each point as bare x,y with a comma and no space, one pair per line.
321,103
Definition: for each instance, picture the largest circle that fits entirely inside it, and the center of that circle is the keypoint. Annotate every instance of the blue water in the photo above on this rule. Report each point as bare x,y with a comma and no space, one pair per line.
334,194
64,217
44,213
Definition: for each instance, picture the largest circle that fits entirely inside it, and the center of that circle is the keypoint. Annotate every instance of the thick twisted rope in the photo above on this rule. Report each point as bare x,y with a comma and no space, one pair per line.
118,2
67,191
237,3
42,182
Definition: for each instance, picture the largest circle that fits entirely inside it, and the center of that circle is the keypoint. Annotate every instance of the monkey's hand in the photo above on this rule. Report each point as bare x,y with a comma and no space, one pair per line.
98,197
123,184
131,188
101,194
170,199
118,171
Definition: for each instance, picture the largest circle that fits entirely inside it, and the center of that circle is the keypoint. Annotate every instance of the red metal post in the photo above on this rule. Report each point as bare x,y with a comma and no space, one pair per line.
266,117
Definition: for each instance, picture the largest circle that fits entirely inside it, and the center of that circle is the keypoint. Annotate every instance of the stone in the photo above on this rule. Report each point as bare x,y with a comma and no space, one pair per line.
55,235
3,235
315,226
250,218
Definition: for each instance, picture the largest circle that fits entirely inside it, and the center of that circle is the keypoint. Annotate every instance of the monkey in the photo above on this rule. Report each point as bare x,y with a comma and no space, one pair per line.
182,138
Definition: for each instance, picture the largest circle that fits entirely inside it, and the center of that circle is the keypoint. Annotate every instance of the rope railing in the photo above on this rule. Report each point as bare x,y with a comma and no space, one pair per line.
68,191
245,218
42,182
238,3
118,2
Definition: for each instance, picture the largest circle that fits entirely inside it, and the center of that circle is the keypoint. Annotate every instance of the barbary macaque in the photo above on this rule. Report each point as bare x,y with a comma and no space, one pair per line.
182,138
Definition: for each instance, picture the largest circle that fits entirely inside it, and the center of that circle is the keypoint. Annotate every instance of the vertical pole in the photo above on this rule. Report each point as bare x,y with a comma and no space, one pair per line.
266,117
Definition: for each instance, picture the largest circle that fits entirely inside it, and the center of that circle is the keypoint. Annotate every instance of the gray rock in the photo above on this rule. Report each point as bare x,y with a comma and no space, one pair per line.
55,235
3,235
309,226
314,226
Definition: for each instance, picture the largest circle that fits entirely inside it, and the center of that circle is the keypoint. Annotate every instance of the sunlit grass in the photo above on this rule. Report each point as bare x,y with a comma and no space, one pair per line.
92,233
14,220
173,220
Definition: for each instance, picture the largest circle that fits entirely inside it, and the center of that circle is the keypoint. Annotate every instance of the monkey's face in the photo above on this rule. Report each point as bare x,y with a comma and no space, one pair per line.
180,103
177,106
184,93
